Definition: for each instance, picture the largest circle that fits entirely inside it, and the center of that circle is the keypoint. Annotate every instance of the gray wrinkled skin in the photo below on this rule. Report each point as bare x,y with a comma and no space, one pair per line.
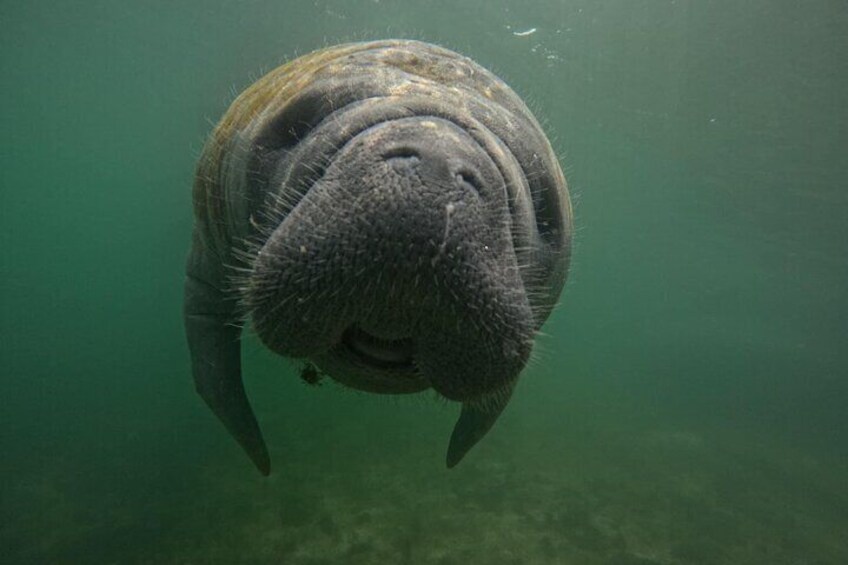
389,211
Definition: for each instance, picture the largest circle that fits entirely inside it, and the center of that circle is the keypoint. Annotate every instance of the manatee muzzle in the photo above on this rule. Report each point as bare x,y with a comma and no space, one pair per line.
396,272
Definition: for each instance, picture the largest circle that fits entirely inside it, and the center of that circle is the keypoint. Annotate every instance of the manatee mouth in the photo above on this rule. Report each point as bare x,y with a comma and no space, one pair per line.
378,352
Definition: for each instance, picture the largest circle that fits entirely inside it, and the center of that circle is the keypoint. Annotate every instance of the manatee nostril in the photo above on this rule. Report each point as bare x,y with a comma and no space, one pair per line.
468,181
401,157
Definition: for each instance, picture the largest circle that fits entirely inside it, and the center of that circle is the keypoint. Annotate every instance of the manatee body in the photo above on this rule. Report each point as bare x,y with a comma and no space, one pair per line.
390,212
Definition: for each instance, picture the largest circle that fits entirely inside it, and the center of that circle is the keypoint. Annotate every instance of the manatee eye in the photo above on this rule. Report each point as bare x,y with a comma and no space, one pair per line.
468,181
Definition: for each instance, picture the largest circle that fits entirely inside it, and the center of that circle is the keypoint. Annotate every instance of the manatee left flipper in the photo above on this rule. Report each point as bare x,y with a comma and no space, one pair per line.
473,424
213,340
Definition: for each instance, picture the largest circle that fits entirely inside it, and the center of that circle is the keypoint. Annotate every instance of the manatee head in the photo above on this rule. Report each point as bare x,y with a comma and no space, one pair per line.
403,223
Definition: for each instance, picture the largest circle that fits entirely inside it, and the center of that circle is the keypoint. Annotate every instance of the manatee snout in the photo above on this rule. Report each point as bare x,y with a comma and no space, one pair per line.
397,272
389,212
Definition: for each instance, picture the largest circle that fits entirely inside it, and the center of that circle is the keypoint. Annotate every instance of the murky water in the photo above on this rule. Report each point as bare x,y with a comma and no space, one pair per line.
685,406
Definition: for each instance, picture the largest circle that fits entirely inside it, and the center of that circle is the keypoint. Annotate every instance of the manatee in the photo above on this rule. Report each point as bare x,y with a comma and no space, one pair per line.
388,212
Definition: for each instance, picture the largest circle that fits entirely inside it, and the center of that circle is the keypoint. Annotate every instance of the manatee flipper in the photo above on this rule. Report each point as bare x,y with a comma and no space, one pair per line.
473,424
213,340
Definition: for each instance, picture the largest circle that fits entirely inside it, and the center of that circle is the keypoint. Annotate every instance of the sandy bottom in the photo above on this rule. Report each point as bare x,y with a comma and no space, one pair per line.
345,494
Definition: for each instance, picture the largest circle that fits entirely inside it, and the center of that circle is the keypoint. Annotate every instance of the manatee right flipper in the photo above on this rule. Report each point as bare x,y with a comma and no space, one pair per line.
473,424
213,340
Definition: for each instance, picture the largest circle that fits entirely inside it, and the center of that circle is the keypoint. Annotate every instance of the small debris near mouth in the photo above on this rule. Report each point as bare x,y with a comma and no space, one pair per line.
311,375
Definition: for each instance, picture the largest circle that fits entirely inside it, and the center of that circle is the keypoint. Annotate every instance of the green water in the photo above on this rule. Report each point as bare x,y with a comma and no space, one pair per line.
685,406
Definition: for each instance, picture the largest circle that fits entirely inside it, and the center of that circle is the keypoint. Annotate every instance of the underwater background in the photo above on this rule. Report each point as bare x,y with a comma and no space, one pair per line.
687,401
